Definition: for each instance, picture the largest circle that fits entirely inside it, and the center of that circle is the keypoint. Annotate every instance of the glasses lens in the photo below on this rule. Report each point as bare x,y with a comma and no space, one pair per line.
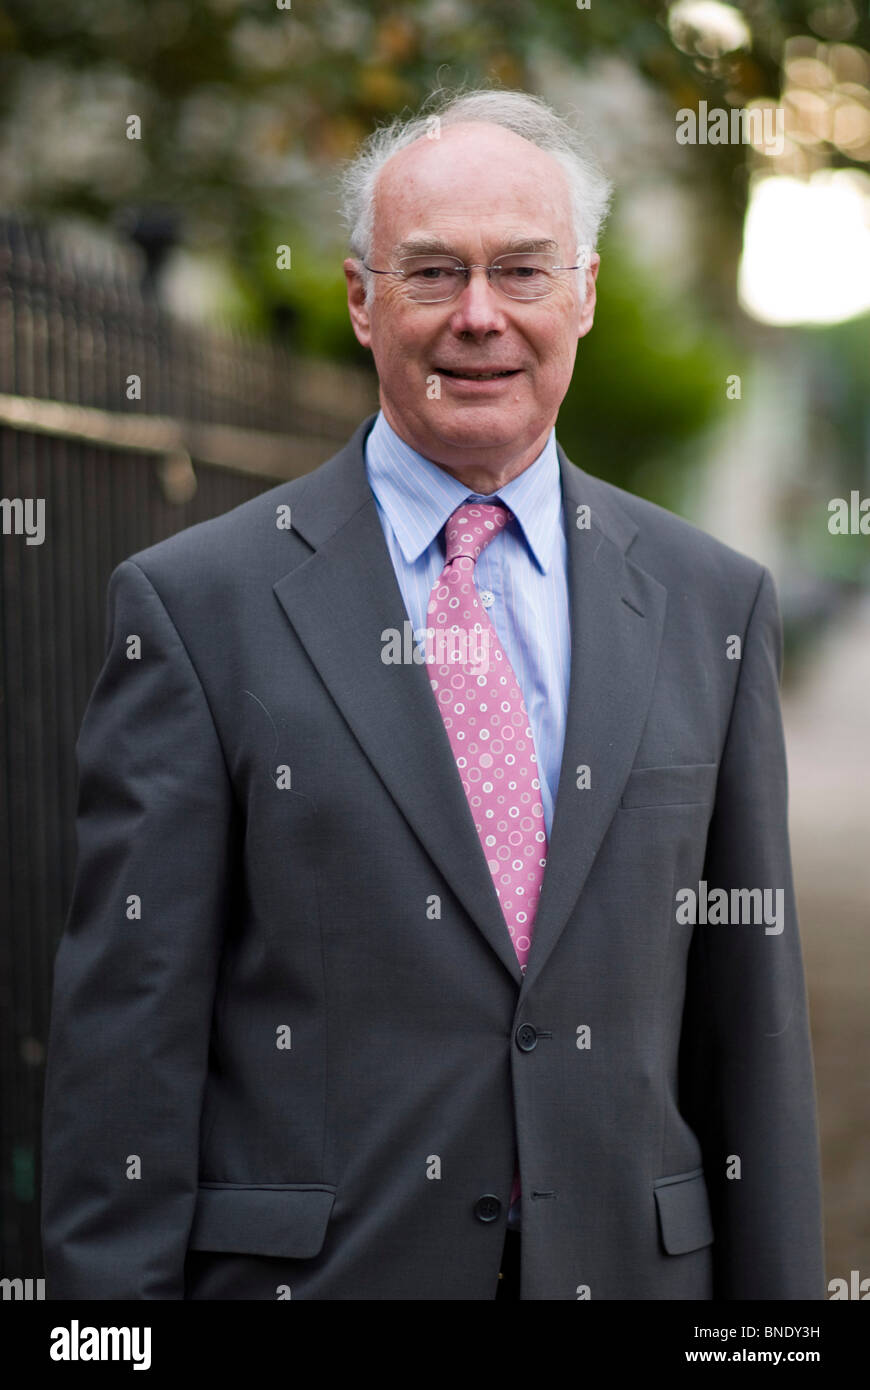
521,275
525,275
430,278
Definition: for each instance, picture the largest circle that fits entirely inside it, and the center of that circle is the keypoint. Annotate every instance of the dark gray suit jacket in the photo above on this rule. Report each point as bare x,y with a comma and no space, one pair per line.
292,1052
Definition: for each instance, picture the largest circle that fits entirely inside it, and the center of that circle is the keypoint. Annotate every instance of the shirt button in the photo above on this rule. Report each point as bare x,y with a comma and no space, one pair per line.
487,1208
487,598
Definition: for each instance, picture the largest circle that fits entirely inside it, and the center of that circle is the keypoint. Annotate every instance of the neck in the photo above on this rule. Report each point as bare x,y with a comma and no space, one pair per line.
483,470
486,481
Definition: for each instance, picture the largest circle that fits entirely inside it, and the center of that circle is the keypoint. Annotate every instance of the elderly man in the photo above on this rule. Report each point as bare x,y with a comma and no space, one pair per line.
423,941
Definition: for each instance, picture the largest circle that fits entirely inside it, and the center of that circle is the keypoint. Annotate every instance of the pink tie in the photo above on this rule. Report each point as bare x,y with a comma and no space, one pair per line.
487,723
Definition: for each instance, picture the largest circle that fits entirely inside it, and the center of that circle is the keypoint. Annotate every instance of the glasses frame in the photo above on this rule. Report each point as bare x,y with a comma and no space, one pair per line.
466,271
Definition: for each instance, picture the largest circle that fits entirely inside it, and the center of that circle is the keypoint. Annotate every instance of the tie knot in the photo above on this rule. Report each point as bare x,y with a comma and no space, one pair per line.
472,526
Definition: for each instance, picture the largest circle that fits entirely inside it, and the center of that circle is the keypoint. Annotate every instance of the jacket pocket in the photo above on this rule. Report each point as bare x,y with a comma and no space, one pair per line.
288,1220
670,786
683,1206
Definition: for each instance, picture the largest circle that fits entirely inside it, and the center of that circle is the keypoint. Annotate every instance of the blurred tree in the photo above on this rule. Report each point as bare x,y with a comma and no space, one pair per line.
246,109
647,379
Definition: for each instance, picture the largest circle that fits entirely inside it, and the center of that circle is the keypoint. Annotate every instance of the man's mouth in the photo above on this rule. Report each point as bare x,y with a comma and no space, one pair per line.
470,375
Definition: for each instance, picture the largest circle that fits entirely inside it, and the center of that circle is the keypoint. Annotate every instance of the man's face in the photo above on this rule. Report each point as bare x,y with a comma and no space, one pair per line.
475,190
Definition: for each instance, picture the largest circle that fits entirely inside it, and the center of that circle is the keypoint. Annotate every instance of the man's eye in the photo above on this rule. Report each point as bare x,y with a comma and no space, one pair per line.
432,272
523,272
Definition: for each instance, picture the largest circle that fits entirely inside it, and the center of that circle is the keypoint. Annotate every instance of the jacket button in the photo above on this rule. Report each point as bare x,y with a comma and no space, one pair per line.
527,1038
487,1208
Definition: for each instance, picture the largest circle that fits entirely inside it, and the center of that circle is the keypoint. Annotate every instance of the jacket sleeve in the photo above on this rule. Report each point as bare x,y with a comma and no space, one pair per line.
747,1082
136,968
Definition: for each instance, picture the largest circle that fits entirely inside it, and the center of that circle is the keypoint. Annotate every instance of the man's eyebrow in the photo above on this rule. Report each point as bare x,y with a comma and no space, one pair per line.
529,244
423,246
433,245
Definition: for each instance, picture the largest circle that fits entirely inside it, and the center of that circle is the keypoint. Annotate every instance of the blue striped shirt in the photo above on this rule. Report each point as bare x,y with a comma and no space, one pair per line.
525,569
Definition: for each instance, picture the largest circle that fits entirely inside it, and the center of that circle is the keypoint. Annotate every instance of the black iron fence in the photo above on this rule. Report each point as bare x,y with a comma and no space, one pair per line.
128,425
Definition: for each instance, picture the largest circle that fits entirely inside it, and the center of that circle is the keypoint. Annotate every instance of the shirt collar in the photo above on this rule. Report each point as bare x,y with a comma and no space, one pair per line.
418,496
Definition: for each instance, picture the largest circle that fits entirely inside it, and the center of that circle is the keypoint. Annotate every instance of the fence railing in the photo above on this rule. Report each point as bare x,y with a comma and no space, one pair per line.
219,418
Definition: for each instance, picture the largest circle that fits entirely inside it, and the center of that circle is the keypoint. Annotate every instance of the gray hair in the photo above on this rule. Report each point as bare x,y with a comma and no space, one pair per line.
525,115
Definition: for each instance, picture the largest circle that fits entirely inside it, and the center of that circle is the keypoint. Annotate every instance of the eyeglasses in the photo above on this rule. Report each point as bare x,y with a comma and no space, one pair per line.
519,275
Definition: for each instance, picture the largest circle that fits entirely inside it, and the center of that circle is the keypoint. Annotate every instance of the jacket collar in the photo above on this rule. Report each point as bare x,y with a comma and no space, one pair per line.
418,496
342,597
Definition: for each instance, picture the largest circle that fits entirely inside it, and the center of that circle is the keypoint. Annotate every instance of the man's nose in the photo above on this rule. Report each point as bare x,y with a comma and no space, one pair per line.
477,308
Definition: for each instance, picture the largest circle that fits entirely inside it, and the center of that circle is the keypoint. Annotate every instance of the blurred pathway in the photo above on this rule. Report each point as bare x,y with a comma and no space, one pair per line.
827,721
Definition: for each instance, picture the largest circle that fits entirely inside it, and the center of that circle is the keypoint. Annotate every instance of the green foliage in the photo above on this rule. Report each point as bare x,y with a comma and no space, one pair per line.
247,109
647,380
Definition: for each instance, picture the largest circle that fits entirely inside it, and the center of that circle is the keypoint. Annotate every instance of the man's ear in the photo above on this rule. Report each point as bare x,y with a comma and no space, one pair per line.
356,302
587,313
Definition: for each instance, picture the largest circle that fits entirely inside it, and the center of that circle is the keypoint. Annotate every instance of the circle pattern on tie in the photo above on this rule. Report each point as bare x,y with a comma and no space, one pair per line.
487,723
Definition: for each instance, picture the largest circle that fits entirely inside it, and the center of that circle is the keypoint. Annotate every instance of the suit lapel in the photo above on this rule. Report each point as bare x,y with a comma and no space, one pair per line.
344,595
340,600
617,616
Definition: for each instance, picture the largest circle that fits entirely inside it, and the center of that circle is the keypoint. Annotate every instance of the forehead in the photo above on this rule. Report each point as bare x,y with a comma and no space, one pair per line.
476,186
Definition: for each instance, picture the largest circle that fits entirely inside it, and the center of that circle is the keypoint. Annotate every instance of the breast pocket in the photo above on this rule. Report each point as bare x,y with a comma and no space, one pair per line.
686,784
